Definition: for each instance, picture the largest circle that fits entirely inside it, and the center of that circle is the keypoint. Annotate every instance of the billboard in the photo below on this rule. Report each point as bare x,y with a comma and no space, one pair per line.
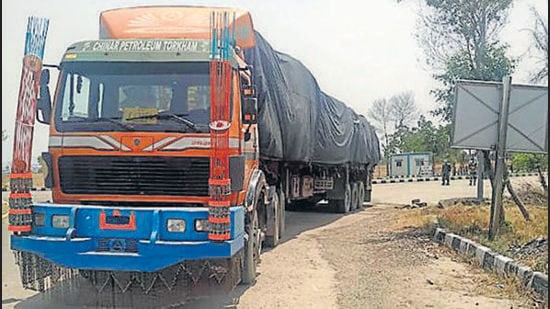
476,114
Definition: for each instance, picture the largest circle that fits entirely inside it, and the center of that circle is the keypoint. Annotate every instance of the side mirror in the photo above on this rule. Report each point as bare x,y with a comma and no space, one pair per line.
249,110
44,103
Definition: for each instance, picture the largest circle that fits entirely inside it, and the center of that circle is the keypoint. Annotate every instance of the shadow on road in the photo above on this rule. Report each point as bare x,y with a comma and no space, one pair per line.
78,293
305,217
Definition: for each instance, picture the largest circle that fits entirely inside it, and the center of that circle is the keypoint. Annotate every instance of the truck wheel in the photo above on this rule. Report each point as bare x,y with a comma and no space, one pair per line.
248,274
361,194
344,205
354,196
273,240
282,213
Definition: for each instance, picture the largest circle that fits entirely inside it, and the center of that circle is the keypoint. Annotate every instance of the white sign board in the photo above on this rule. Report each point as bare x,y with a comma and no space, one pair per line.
476,113
425,171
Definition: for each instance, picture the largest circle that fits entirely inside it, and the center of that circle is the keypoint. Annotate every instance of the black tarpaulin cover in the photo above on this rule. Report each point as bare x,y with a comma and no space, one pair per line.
297,121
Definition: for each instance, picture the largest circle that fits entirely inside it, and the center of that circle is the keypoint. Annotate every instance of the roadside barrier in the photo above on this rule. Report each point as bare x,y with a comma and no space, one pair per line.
434,178
493,261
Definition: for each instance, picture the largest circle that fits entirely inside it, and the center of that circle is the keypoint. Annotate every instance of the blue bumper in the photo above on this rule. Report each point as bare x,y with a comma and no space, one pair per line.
86,241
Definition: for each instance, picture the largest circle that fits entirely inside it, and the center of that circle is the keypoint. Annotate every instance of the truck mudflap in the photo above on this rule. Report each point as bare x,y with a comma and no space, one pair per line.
127,249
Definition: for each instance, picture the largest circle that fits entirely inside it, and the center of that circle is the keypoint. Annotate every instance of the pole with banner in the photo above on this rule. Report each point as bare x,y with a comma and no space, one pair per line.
20,201
220,95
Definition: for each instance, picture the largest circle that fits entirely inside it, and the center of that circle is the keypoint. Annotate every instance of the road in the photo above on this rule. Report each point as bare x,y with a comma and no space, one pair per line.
329,260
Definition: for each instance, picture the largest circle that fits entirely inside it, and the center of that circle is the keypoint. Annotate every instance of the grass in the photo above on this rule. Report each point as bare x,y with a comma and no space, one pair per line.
472,221
425,218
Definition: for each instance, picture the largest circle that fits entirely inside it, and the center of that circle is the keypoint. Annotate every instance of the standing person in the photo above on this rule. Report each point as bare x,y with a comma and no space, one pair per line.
472,171
446,173
454,169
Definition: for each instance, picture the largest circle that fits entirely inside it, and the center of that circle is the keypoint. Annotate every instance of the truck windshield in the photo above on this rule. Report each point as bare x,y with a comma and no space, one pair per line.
101,96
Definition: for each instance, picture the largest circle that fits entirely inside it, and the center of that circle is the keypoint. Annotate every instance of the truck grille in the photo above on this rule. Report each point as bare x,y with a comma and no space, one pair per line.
182,176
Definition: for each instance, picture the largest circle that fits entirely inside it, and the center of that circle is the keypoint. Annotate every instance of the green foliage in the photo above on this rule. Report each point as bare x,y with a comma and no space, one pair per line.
426,137
4,135
460,40
527,162
540,38
495,66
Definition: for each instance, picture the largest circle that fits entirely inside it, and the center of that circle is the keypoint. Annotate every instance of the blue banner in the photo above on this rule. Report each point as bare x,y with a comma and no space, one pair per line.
35,39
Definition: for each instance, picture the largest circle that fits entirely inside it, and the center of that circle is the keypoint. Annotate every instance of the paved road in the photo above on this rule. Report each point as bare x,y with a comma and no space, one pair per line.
302,227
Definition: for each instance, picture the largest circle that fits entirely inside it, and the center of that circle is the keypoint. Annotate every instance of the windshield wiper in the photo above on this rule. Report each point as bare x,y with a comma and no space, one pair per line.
115,121
167,115
111,120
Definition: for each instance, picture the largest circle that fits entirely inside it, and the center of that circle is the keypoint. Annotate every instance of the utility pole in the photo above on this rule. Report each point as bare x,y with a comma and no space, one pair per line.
500,165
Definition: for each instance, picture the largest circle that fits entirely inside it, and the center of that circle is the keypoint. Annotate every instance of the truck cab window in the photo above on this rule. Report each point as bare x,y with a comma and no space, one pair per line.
76,97
198,103
145,96
101,93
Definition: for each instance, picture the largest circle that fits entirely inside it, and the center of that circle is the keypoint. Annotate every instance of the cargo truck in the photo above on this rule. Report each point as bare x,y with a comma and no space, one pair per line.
177,140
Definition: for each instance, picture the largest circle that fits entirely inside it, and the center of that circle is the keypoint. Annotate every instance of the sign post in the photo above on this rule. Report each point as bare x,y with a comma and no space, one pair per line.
500,117
496,202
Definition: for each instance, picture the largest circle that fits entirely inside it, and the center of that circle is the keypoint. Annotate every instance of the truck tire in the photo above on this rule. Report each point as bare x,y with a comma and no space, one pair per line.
354,196
361,194
282,213
344,205
248,274
273,240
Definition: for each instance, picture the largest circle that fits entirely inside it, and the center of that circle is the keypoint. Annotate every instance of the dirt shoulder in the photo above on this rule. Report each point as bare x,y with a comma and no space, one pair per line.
383,267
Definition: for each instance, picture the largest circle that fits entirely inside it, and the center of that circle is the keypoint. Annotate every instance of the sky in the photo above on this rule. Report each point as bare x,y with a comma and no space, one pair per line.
358,51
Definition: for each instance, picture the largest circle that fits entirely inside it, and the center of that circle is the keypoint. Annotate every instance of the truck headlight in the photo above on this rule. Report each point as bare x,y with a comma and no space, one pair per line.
202,225
60,221
175,225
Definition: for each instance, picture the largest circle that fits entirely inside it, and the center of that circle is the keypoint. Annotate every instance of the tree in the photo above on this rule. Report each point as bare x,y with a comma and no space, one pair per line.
528,162
539,34
403,109
460,41
495,67
380,117
426,137
4,135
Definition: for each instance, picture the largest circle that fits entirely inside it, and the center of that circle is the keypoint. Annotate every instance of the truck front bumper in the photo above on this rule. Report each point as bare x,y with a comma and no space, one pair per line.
148,246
